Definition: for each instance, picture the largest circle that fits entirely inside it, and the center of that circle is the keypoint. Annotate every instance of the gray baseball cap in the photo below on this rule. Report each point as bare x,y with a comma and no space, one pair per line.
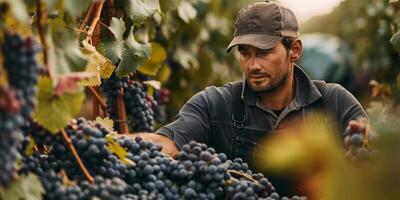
263,25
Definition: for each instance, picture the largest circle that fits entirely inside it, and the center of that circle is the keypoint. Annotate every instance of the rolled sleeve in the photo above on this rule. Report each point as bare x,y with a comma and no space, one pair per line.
191,123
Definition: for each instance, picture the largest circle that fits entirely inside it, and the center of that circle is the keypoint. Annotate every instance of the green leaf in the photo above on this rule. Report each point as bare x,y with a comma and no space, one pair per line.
117,27
158,56
186,11
54,112
133,55
76,7
395,41
113,50
140,10
24,188
64,52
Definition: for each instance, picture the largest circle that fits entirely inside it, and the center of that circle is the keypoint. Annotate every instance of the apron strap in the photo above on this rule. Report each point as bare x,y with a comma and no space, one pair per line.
238,112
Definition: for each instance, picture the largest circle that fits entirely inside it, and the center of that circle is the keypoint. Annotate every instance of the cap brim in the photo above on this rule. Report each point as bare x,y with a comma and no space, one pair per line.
257,40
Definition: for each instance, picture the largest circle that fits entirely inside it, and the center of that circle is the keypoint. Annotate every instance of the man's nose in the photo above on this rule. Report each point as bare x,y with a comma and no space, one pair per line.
254,63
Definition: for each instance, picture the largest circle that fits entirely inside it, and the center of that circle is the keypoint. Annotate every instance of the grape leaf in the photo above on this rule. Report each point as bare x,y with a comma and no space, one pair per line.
133,55
68,83
186,11
76,7
11,23
130,53
153,85
54,112
30,148
158,56
113,49
164,73
395,41
18,10
114,147
64,52
117,27
140,10
97,64
106,122
24,188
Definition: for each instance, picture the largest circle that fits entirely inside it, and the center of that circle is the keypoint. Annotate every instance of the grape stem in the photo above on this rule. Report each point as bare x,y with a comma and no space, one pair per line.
234,172
96,18
86,19
98,99
121,112
76,156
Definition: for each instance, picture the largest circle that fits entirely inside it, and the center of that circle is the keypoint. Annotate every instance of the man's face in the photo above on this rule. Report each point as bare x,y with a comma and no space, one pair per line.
265,70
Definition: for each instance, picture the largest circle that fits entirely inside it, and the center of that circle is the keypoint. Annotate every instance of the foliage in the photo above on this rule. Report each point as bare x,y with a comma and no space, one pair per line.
366,26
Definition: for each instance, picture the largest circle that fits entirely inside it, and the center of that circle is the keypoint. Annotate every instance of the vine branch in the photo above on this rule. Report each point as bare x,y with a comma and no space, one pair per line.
76,156
96,94
41,19
96,18
123,126
86,19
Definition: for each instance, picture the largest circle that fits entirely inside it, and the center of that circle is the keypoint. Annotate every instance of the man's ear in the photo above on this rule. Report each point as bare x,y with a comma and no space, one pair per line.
296,50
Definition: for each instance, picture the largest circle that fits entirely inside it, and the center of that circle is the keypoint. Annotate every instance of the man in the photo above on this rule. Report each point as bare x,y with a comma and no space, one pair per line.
274,95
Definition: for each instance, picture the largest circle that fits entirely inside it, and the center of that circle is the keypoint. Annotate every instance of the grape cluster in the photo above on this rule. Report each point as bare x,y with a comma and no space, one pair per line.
140,114
159,104
359,141
10,134
112,87
197,172
138,110
22,68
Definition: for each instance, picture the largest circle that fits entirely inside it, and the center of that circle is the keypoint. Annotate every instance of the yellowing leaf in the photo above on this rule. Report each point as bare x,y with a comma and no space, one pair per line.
54,112
18,10
158,56
155,84
106,122
68,83
114,147
25,187
12,24
164,73
97,64
30,148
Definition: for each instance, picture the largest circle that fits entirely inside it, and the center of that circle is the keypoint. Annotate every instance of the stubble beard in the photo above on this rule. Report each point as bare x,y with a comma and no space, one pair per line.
272,87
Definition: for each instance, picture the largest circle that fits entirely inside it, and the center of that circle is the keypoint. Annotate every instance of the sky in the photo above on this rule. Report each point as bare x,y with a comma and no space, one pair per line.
305,9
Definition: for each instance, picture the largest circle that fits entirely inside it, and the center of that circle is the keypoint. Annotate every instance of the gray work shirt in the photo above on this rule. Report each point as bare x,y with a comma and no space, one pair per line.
206,117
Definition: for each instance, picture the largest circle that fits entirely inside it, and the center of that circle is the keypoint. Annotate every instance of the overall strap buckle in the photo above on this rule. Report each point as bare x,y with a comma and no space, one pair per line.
239,124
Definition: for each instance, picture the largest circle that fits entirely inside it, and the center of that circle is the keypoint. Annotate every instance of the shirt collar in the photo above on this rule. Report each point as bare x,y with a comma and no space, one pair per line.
306,91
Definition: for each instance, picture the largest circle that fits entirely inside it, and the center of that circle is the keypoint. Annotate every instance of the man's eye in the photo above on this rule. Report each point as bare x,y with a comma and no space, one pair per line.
243,53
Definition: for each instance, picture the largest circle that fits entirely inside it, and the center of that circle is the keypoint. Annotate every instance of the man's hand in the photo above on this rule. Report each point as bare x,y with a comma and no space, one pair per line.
168,146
